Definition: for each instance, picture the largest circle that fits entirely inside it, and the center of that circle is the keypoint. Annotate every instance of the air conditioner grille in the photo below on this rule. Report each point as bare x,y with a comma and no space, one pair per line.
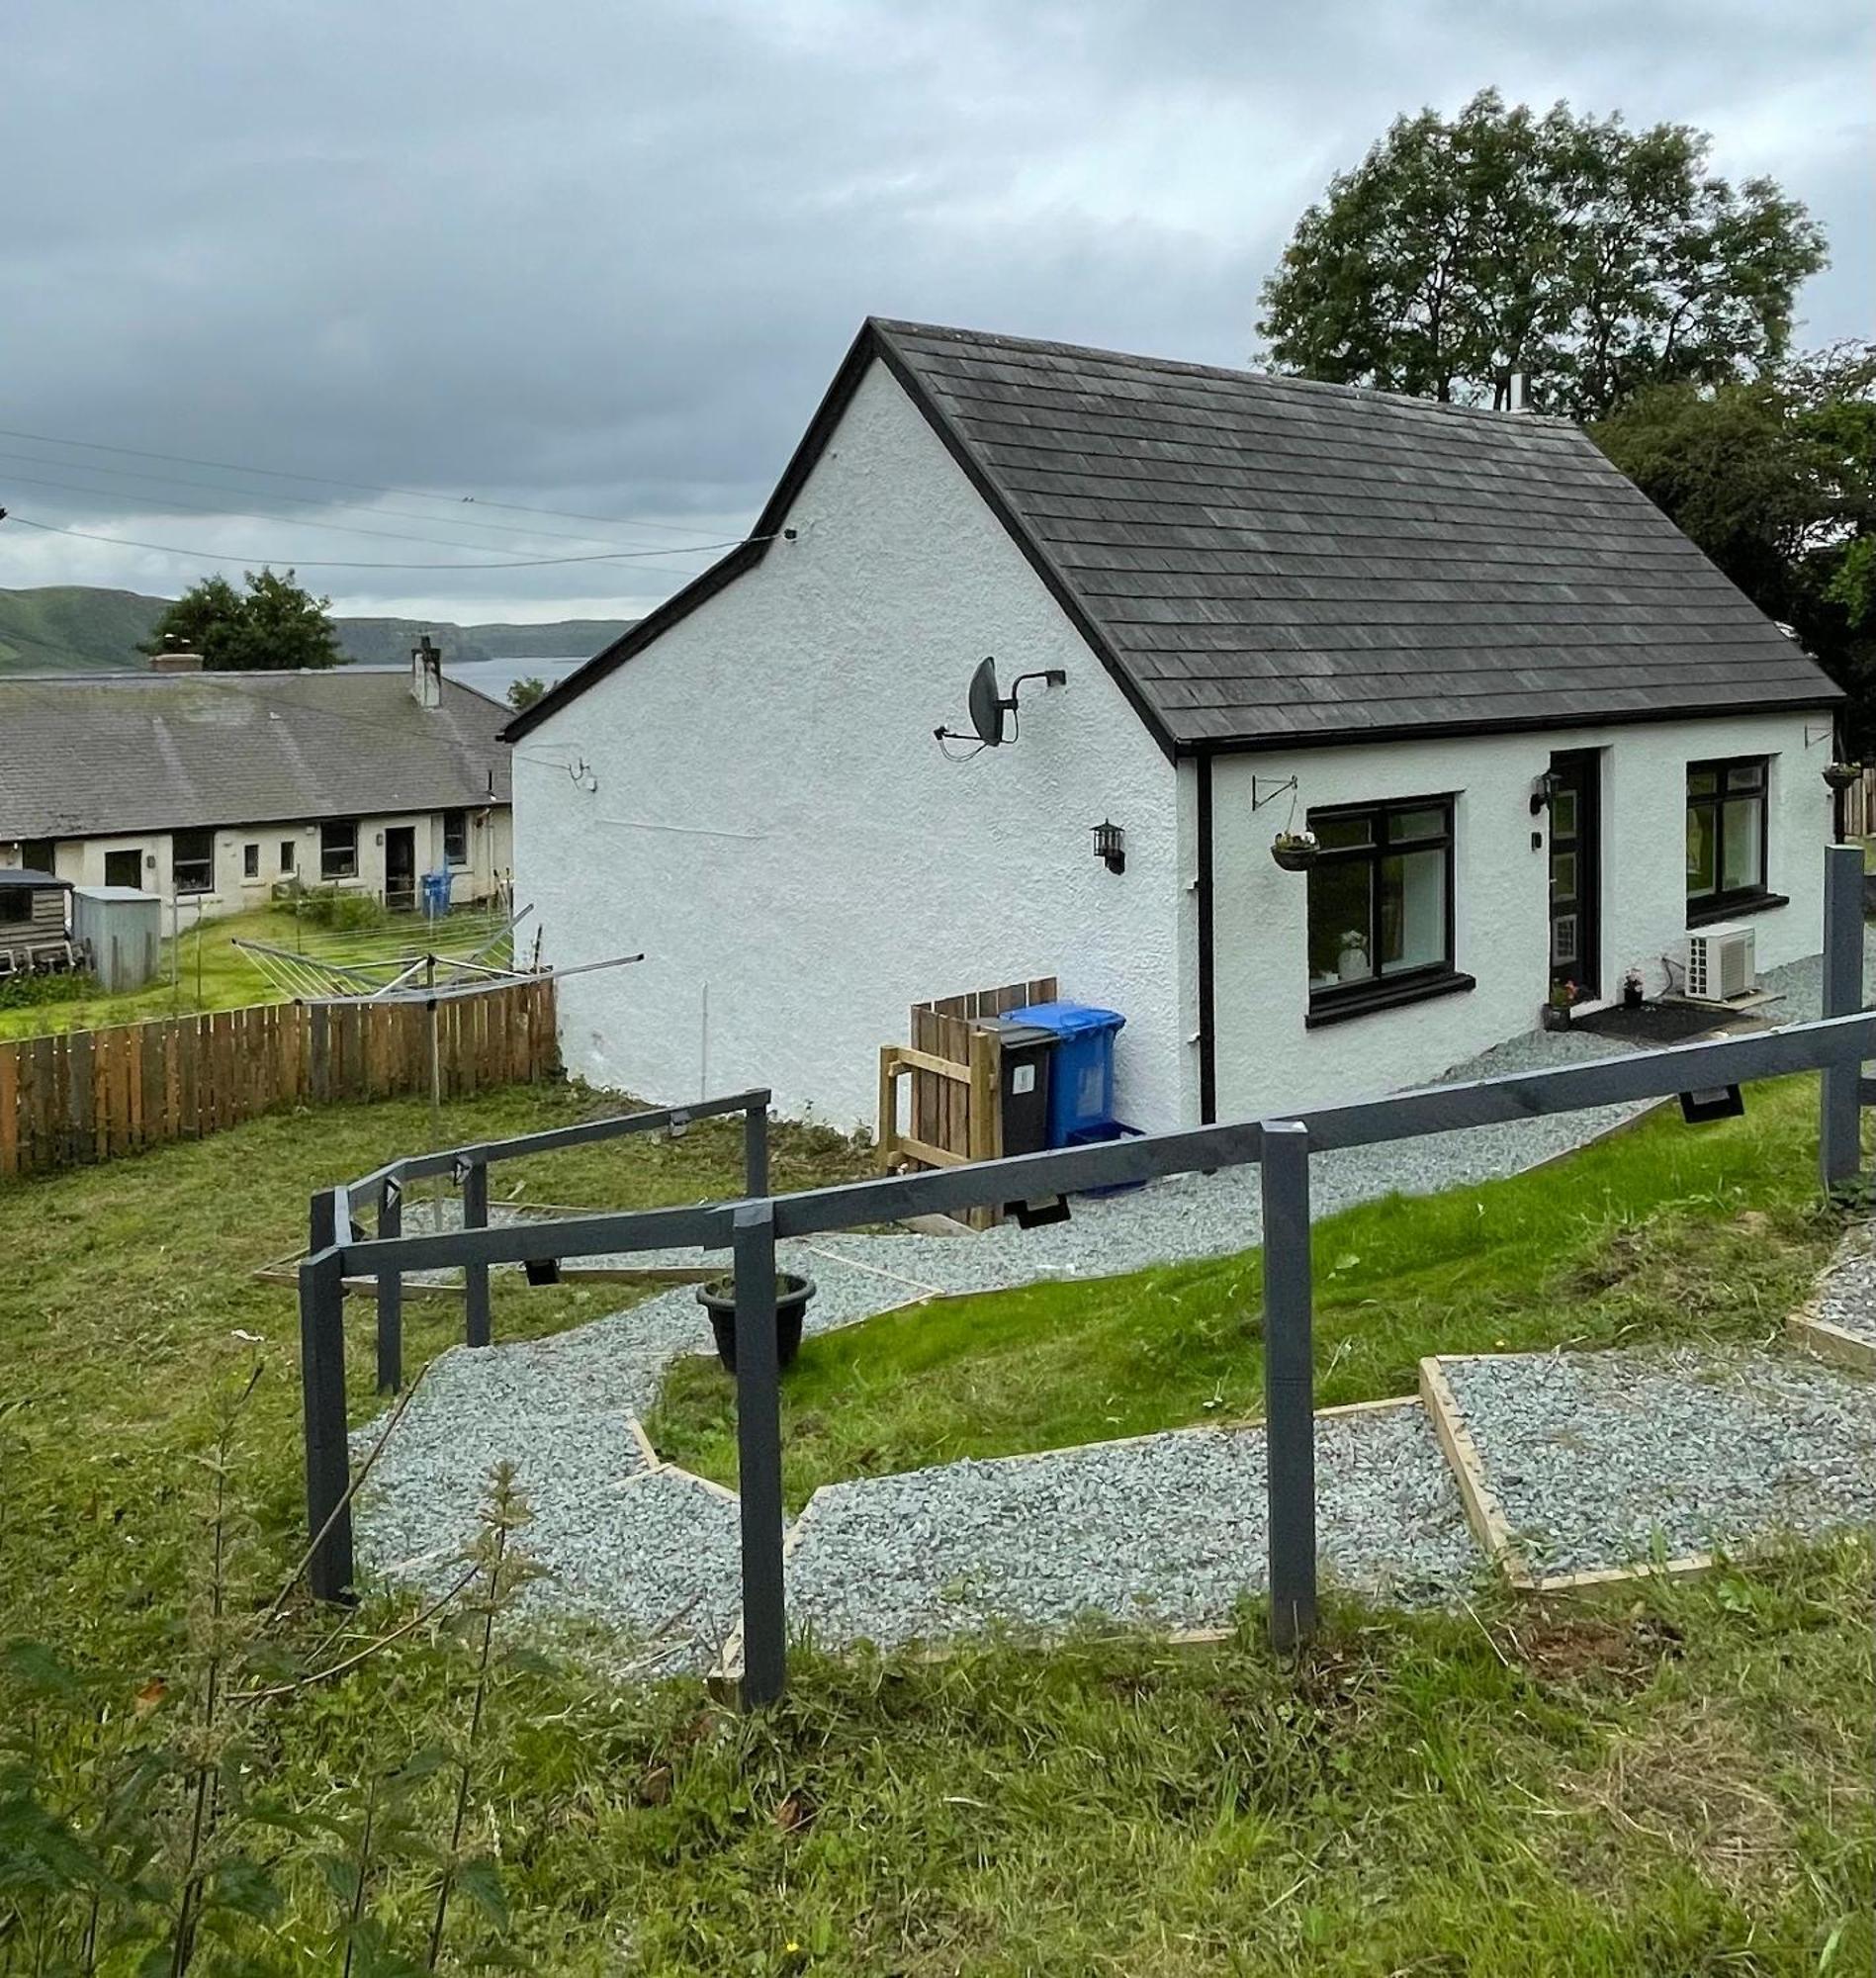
1720,963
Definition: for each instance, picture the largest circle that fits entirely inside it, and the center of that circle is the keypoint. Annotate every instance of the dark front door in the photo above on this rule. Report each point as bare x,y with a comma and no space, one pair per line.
1575,884
401,868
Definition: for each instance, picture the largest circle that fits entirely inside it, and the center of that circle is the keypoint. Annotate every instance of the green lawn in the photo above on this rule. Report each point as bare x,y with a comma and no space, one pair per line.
204,970
1669,1780
1620,1245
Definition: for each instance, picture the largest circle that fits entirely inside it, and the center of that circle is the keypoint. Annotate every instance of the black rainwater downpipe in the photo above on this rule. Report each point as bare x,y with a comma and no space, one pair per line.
1207,1012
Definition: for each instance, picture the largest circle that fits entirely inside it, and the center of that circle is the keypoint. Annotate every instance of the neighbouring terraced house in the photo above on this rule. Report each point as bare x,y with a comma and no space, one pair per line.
215,788
1537,738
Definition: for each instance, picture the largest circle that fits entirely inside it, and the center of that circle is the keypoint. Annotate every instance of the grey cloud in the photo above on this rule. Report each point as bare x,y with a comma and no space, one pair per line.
605,257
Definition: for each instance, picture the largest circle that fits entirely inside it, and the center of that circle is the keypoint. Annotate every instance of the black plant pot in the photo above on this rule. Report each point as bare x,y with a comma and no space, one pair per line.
1293,858
1553,1016
717,1299
1630,995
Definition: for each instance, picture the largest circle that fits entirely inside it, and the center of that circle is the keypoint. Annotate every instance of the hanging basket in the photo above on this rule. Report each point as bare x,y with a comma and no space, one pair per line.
1843,775
1295,852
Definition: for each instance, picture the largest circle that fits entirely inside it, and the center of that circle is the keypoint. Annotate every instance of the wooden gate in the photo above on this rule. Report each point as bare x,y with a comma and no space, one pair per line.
956,1067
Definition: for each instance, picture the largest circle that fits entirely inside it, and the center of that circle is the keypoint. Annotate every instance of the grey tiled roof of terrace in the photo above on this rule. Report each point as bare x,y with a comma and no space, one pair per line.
83,754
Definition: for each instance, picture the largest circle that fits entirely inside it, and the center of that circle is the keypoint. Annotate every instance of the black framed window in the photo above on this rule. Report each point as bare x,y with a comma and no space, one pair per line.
192,860
288,852
455,837
37,854
339,849
1726,835
1381,905
251,861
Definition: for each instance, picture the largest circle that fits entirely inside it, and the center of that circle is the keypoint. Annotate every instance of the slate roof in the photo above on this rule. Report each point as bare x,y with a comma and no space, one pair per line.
1264,561
87,754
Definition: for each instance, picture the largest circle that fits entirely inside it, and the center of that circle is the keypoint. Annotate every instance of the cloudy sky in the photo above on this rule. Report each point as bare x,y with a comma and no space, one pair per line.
599,257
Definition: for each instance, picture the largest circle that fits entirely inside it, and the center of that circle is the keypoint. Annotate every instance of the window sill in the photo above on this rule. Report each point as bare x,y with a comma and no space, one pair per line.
1730,910
1386,996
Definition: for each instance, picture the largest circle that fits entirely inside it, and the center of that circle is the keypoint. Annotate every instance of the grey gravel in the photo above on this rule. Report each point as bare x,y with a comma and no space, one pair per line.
1167,1529
633,1547
1609,1458
1846,1294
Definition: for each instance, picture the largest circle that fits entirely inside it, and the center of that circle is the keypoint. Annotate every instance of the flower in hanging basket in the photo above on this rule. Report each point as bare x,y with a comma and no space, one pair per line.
1842,775
1295,850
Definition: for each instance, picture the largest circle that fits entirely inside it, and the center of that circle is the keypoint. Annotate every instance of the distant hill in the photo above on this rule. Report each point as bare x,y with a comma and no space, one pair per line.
73,628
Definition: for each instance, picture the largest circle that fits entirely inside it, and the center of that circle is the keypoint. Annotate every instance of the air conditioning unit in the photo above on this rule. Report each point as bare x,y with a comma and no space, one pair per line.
1720,965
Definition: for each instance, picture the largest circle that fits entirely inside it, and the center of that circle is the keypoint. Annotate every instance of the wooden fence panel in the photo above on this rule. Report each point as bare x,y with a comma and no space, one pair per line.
92,1095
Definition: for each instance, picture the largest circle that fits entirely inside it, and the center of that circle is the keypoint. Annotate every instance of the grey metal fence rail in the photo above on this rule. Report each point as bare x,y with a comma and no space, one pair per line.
1836,1045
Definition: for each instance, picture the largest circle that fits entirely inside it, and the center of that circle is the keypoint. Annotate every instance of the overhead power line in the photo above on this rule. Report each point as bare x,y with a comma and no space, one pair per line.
12,475
332,563
168,481
357,487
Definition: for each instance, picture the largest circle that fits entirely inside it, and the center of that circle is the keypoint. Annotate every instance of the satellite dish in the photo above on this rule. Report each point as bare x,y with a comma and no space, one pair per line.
986,704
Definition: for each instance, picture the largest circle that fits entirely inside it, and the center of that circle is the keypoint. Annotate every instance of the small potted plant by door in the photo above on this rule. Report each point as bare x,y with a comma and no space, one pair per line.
1632,990
1295,850
793,1293
1555,1013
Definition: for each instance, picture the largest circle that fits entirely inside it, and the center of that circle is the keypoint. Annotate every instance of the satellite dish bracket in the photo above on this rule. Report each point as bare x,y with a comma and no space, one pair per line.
988,705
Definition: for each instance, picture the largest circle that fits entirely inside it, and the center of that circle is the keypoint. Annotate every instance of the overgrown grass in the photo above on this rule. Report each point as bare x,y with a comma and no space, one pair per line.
1660,1232
1675,1780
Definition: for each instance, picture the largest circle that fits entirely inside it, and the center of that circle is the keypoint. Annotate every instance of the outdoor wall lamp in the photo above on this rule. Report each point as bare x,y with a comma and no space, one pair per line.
1543,789
1111,846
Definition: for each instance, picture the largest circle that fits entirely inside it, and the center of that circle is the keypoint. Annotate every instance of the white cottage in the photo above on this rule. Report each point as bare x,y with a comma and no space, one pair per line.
1538,736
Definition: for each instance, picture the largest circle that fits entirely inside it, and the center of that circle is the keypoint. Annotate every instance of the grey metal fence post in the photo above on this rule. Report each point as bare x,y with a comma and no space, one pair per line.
391,1291
756,1150
323,1385
476,1326
1289,1428
759,1454
1839,1124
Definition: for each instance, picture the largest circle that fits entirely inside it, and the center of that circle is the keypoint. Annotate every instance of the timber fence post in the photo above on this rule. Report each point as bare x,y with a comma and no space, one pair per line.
756,1150
1839,1124
475,1324
391,1291
1289,1383
322,1385
758,1455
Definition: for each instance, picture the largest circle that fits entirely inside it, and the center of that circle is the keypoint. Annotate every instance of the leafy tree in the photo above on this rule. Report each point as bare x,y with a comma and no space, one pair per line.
1776,480
1596,259
271,626
525,692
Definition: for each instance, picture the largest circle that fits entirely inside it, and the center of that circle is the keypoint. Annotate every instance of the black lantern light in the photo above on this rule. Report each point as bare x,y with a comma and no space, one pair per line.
1111,846
1544,789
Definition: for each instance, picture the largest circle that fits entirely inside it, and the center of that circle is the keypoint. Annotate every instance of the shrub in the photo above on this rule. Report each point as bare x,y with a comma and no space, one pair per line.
29,992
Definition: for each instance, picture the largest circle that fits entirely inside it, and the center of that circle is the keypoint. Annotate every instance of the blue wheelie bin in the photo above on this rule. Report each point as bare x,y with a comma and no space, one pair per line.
1081,1073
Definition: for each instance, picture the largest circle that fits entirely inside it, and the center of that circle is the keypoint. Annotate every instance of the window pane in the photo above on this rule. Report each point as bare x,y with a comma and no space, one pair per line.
1563,876
1702,782
1746,775
1563,814
1412,911
1411,823
1699,851
1332,832
286,855
1338,924
1739,869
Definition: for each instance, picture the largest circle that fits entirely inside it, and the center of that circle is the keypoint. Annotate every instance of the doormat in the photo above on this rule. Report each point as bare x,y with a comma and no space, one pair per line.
1653,1023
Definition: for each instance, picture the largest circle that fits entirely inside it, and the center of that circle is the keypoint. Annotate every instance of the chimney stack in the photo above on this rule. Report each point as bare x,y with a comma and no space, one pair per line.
426,673
175,658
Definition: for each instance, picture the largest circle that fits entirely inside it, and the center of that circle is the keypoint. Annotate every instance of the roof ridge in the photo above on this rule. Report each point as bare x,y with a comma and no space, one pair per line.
1282,381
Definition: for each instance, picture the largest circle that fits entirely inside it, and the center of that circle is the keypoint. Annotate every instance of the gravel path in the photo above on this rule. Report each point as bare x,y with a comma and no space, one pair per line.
1846,1294
1604,1458
1127,1528
1167,1529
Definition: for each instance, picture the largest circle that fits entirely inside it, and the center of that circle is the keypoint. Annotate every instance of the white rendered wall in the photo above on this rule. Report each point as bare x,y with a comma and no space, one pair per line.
775,825
1267,1060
